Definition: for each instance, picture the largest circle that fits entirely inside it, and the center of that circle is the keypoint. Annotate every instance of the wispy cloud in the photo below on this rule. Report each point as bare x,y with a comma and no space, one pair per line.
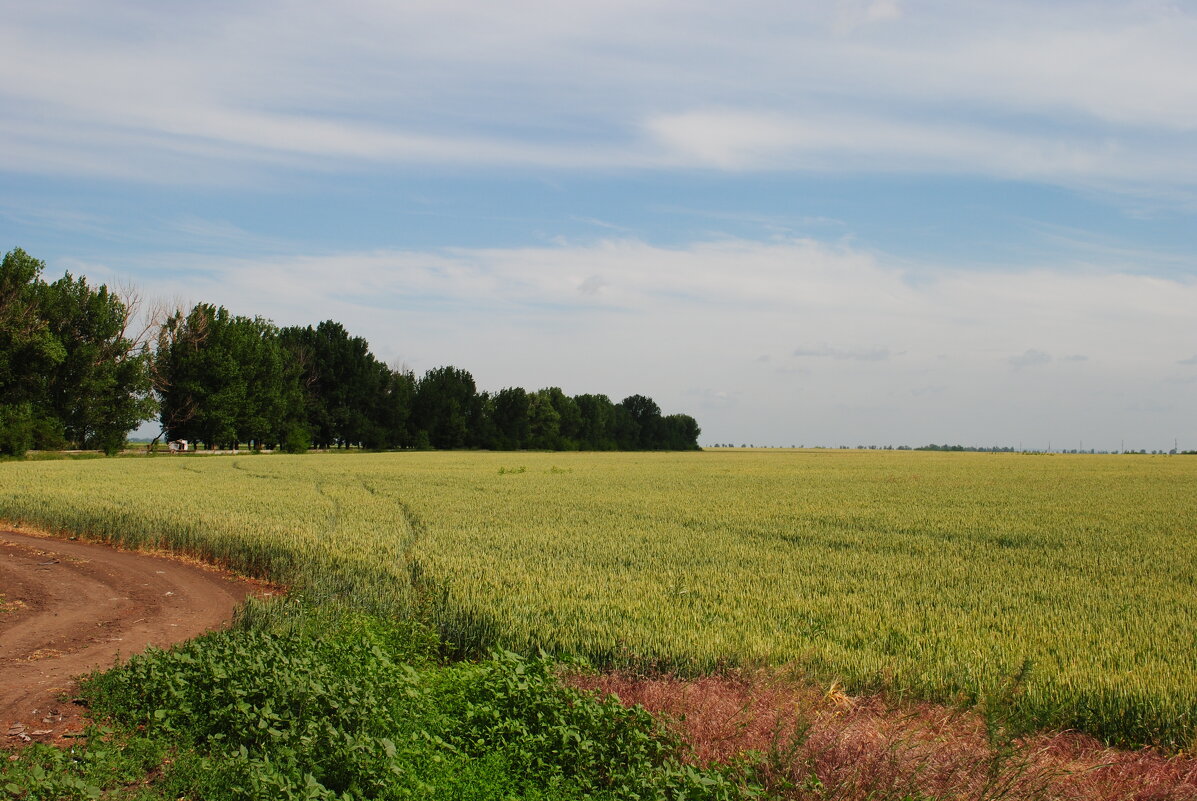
608,103
844,354
1018,89
1100,248
667,320
737,139
1031,357
705,305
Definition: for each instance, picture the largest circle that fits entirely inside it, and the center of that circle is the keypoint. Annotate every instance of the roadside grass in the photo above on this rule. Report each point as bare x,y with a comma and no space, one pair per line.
334,704
301,702
53,456
803,741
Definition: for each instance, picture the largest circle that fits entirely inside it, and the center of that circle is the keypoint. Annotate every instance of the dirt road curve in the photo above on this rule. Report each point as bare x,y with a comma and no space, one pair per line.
70,607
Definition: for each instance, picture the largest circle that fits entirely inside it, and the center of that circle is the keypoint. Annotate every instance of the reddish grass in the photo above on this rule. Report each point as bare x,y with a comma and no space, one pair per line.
824,744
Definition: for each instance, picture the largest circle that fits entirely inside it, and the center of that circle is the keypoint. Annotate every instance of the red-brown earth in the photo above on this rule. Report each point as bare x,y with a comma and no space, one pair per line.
69,607
825,744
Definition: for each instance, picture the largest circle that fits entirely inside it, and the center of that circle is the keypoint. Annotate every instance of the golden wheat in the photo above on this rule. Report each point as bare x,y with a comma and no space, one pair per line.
939,574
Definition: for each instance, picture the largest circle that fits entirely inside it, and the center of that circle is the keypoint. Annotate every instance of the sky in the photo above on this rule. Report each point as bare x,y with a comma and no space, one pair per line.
804,223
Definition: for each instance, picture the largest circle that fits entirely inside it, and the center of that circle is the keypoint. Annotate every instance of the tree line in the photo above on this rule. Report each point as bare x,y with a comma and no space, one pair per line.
74,373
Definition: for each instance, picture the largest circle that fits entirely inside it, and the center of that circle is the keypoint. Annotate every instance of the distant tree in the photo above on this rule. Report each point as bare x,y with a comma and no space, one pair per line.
445,402
179,332
395,408
544,423
346,387
509,412
273,409
681,432
596,422
569,419
73,370
224,379
480,425
625,431
648,425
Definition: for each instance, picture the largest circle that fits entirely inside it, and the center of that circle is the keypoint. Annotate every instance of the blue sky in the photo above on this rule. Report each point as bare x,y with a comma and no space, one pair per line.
855,222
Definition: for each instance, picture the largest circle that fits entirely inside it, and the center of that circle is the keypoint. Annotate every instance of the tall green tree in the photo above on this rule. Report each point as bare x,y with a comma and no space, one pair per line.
273,406
347,388
596,427
569,418
510,416
28,350
224,379
395,409
647,423
681,432
482,432
69,370
100,389
544,423
445,402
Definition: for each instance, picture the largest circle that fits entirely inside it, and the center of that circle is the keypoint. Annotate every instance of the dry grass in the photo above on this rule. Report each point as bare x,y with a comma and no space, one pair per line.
813,743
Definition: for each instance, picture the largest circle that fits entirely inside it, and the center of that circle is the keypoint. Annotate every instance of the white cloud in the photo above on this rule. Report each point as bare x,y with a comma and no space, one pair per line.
1094,93
725,139
687,325
852,14
1031,357
877,354
883,10
738,139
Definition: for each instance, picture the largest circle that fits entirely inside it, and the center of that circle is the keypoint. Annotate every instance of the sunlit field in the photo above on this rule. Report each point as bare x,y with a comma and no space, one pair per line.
1061,584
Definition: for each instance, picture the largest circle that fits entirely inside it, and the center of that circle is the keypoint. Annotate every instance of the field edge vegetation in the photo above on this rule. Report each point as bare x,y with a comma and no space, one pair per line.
324,702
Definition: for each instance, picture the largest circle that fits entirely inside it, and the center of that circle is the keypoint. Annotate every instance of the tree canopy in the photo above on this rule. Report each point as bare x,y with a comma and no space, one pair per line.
222,381
72,373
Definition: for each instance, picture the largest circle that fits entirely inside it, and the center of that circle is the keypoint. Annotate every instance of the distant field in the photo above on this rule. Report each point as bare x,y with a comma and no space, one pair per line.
935,574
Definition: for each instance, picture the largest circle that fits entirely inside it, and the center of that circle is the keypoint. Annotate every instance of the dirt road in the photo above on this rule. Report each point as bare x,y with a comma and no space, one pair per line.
67,608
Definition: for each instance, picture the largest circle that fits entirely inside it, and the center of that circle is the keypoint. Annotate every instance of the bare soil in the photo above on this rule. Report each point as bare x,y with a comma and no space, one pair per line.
69,607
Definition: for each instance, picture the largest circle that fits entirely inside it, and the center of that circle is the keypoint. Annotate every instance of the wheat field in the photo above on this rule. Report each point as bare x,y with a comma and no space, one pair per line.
1063,585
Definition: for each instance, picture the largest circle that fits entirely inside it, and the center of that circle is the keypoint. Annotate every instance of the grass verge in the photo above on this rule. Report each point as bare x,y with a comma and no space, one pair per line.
320,703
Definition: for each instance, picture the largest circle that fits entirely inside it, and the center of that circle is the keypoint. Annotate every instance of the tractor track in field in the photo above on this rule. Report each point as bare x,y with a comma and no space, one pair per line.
70,607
